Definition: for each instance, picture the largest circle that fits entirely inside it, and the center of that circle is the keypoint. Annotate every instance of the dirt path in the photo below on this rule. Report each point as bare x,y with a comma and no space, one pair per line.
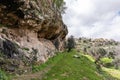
38,75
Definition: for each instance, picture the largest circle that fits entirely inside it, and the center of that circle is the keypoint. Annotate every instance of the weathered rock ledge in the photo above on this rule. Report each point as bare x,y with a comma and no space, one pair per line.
30,30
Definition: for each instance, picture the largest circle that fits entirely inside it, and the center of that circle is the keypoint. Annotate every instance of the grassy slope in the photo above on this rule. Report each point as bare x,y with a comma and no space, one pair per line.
113,72
69,68
64,67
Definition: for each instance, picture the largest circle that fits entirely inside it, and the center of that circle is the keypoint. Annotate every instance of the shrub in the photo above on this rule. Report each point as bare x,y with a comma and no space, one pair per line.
70,43
59,5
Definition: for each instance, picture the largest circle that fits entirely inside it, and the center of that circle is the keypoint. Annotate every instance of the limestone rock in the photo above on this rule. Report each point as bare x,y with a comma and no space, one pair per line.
31,30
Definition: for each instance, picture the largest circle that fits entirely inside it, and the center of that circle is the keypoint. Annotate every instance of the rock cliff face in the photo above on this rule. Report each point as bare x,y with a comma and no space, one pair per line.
30,29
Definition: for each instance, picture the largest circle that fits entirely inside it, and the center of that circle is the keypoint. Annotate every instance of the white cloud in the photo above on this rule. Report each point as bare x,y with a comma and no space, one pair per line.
93,18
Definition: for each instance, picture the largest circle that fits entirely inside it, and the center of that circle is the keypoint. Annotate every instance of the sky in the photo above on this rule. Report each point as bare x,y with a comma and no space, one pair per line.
93,18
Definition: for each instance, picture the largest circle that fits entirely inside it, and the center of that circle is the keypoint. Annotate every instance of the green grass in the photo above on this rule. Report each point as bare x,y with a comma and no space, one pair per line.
49,63
69,68
66,67
106,60
113,72
90,58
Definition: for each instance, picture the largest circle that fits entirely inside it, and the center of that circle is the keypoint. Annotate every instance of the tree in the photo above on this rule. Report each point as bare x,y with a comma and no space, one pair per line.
70,43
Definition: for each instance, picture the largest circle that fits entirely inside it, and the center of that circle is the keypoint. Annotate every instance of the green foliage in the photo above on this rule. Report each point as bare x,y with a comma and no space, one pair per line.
113,72
89,57
106,60
1,54
26,49
59,5
35,79
70,43
3,76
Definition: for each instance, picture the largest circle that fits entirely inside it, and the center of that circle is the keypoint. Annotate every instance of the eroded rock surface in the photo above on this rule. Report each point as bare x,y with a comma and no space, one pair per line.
30,30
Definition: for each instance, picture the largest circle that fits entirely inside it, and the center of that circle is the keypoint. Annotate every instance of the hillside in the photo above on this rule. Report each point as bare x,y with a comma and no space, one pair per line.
66,67
33,45
101,48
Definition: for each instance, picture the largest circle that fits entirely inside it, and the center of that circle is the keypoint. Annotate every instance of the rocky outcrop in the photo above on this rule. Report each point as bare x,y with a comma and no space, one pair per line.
31,28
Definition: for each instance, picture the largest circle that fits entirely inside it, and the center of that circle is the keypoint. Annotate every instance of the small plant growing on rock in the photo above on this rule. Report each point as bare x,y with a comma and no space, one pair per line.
59,5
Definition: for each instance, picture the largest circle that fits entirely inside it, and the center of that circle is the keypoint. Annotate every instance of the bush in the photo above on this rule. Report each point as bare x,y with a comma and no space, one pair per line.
70,43
59,5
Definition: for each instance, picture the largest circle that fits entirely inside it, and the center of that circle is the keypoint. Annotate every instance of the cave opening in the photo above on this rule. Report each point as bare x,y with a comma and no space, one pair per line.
11,4
19,13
